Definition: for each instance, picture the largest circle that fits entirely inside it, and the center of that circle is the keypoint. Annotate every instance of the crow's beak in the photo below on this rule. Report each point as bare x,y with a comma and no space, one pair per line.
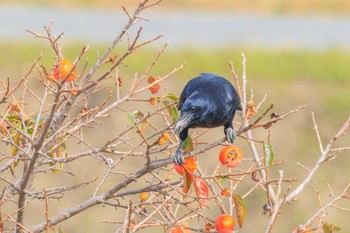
183,121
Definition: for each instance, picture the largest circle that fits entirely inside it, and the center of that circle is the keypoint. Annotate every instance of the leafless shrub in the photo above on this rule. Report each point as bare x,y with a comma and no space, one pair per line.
37,144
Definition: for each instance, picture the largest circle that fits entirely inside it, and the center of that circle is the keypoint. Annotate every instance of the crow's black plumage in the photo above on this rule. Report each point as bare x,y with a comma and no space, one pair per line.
207,101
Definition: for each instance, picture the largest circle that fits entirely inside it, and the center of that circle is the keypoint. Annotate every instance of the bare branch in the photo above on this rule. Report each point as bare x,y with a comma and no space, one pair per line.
321,159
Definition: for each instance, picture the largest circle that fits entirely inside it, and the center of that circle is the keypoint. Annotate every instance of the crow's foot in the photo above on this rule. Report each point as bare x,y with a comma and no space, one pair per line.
179,158
230,134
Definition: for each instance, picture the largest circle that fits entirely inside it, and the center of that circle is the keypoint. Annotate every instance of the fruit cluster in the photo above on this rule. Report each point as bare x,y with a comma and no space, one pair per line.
229,156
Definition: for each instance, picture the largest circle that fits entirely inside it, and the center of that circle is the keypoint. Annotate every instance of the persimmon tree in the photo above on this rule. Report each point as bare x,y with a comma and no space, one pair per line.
45,131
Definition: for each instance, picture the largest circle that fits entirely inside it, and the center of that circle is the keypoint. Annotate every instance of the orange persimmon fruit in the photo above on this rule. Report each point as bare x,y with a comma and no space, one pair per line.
64,68
231,156
225,223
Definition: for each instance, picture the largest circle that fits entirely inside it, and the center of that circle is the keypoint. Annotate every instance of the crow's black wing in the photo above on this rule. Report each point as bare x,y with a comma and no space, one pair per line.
212,85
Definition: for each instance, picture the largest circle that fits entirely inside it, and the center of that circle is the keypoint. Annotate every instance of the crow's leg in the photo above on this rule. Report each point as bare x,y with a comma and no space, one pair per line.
230,133
179,158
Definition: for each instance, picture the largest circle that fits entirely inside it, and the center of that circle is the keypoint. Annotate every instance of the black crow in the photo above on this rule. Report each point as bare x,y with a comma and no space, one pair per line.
207,101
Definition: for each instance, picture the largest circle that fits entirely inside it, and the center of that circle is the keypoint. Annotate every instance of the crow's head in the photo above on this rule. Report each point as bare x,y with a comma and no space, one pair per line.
192,111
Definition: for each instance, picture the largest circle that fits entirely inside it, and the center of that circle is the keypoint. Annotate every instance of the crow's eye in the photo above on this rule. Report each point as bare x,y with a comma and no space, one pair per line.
193,109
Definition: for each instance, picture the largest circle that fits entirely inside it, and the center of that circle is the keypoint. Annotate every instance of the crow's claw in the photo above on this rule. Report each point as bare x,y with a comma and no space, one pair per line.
178,158
230,135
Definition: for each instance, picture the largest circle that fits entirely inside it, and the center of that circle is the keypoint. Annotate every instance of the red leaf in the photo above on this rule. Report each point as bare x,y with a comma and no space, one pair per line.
154,88
202,190
151,79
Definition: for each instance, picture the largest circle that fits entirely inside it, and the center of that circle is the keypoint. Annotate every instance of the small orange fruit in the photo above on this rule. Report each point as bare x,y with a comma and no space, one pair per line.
225,224
143,196
225,192
189,165
231,156
166,136
181,229
163,138
63,69
208,227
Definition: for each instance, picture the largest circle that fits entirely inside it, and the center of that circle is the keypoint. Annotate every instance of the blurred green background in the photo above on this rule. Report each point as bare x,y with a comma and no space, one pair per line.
290,76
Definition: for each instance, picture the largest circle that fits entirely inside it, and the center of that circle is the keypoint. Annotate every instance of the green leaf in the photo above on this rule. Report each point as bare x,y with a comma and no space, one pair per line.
187,144
135,117
269,154
20,127
30,131
131,118
172,96
15,120
12,117
166,103
330,228
221,179
241,209
174,113
188,177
